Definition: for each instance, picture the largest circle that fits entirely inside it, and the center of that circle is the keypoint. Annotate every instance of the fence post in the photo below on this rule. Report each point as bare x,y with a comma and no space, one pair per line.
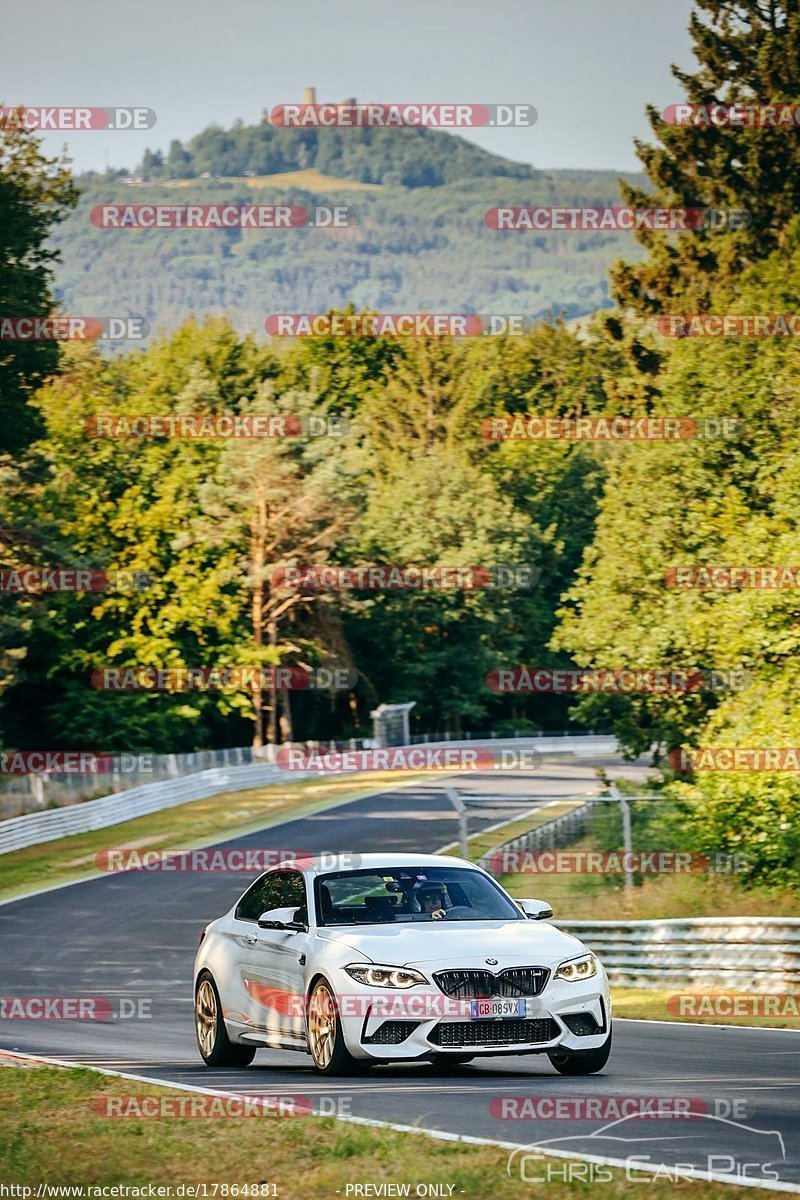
37,789
625,809
461,808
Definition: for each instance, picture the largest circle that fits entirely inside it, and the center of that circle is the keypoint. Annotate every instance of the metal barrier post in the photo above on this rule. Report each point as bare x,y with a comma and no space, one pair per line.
461,808
625,809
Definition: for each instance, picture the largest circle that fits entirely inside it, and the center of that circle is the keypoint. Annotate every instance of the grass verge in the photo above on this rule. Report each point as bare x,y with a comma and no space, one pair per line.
706,1007
481,843
51,1133
655,897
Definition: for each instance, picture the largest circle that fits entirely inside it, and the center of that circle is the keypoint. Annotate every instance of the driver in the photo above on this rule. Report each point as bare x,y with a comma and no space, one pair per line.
432,901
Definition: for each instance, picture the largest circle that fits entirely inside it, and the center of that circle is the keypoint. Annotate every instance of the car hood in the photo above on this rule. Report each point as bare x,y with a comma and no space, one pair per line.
467,943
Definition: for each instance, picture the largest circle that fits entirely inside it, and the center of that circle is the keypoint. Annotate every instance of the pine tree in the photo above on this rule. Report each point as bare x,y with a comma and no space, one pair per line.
748,53
35,194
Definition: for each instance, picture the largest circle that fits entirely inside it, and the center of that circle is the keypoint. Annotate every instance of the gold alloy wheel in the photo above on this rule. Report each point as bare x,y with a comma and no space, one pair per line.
321,1026
205,1017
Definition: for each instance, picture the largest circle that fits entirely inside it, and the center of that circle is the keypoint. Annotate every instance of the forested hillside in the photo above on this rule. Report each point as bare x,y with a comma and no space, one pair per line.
416,236
399,157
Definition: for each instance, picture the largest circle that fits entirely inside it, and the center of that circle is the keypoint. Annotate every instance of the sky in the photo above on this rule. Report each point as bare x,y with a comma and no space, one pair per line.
588,66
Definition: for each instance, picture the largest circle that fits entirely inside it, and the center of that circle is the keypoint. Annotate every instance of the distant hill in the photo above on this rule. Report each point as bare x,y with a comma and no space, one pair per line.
404,157
418,240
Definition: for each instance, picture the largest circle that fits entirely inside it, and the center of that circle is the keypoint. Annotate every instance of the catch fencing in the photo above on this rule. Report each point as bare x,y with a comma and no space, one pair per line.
55,823
750,954
34,792
551,835
31,793
33,828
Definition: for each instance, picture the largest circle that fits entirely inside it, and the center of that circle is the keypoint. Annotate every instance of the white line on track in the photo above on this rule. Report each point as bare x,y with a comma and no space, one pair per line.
439,1134
704,1025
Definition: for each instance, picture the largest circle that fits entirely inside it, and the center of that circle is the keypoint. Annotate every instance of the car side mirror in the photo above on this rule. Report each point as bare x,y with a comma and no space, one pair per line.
281,918
536,910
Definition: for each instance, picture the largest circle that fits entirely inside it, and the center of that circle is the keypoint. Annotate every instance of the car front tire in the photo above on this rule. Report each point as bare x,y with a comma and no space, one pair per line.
581,1062
325,1037
216,1048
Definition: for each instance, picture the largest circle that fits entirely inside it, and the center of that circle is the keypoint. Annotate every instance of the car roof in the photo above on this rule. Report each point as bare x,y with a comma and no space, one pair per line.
324,864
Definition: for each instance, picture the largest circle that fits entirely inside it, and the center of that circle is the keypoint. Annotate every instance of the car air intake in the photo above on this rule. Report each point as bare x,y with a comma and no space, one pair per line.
581,1024
390,1033
452,1034
473,985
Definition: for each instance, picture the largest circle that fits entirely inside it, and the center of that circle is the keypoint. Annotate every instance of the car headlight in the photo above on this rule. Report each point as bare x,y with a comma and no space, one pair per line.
578,968
388,977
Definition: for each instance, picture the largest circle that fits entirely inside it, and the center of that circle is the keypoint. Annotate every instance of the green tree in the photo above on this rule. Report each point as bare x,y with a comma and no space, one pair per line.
748,52
36,193
121,504
428,499
271,503
713,501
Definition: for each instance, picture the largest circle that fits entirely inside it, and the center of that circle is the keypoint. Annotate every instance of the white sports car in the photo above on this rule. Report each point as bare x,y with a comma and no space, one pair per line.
403,957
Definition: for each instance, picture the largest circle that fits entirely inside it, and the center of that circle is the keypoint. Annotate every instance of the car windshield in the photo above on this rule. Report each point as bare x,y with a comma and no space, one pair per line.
435,894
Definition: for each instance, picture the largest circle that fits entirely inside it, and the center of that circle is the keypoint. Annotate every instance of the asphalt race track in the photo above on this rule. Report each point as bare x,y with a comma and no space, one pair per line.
134,936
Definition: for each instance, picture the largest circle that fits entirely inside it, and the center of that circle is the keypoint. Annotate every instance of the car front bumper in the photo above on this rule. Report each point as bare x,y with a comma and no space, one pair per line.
558,1018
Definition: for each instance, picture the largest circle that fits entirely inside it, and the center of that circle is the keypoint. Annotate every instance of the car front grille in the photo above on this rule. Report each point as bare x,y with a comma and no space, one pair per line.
453,1034
478,984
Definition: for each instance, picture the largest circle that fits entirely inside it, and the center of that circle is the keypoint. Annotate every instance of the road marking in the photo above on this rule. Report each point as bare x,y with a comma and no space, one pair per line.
440,1134
703,1024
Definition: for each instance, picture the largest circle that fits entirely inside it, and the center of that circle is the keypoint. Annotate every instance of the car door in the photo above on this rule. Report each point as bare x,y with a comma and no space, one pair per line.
273,960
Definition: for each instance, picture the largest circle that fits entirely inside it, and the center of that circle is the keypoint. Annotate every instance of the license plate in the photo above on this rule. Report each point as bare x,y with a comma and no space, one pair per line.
487,1010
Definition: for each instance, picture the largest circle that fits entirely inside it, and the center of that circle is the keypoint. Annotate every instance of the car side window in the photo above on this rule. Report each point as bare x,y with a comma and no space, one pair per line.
278,889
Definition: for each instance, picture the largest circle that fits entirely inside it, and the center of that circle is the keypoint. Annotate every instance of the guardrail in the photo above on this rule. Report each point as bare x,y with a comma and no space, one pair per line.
548,836
33,828
717,953
35,792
